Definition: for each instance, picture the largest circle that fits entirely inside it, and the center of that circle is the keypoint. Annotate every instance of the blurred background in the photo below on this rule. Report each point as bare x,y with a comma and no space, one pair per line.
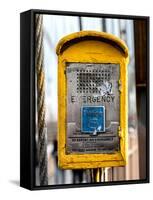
133,32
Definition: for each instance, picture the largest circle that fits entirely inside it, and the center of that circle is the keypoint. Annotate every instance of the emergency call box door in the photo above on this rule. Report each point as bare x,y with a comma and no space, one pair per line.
93,111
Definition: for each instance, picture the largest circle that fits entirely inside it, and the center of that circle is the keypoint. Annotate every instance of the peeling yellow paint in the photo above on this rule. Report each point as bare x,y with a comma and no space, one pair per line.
91,47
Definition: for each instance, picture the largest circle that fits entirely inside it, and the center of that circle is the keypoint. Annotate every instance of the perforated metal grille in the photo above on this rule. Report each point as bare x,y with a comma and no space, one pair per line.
89,81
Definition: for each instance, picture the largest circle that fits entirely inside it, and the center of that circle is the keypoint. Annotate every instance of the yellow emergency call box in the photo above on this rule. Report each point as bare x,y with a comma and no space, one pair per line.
92,100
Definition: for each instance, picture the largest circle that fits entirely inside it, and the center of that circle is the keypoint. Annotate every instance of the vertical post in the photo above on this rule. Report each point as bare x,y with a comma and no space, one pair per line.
104,25
40,74
80,24
95,175
142,79
98,175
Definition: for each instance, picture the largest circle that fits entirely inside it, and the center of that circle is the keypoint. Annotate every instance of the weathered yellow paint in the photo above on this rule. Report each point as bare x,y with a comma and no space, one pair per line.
91,47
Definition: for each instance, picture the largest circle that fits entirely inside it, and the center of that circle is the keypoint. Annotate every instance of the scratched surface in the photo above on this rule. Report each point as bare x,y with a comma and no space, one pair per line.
92,119
92,85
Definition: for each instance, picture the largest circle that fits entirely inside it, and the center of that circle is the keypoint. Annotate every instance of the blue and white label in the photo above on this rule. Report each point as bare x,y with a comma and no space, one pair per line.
93,119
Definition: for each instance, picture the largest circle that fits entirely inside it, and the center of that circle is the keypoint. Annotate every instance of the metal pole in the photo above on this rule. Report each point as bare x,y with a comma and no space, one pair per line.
80,24
104,25
95,175
98,175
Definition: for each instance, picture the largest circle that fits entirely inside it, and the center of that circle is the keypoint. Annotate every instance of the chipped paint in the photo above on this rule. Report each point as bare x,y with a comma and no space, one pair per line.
91,47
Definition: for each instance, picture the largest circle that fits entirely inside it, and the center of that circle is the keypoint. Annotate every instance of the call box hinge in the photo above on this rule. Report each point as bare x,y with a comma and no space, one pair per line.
119,85
119,132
